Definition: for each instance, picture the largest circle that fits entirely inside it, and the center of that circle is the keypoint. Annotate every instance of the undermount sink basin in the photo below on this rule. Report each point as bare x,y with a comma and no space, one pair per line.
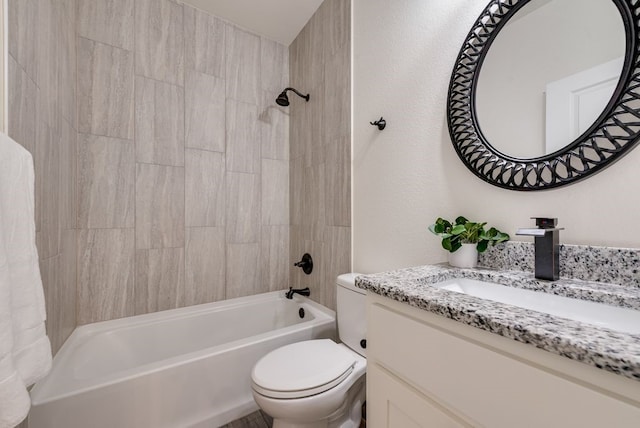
599,314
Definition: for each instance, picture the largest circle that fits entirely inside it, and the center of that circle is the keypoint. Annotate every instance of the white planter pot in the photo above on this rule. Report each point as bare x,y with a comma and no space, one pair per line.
465,257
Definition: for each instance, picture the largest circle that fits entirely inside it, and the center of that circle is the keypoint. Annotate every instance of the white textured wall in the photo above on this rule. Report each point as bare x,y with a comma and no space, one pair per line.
407,175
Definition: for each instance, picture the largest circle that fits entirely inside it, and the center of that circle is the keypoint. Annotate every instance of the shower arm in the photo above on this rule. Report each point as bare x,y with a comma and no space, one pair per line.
306,97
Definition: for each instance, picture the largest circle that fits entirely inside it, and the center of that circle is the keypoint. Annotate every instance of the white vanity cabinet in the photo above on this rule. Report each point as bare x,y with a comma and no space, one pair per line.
425,370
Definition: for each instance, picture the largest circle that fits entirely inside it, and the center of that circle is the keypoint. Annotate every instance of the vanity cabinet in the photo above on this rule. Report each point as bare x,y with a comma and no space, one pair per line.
425,370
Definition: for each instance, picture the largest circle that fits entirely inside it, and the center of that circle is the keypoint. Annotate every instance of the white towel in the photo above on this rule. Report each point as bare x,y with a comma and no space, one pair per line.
25,351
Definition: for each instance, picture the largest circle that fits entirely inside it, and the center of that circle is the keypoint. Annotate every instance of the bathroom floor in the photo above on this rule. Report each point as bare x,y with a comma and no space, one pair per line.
257,419
260,419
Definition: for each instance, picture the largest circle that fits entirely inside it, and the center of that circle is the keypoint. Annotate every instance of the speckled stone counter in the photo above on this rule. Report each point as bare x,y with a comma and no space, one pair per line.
610,350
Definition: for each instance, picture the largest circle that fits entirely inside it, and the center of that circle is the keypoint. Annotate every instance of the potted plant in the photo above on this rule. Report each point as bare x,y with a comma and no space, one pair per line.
464,239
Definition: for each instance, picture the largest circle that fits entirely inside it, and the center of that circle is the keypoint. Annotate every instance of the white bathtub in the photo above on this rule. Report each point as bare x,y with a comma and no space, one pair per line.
187,367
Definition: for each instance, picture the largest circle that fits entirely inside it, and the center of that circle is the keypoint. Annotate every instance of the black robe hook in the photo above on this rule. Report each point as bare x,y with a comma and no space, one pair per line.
379,123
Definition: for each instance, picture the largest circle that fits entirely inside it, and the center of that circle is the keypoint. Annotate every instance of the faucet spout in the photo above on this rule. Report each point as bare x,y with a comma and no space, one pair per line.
547,247
301,291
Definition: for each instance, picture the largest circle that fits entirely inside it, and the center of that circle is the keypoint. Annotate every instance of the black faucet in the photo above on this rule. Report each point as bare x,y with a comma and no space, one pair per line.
301,291
547,247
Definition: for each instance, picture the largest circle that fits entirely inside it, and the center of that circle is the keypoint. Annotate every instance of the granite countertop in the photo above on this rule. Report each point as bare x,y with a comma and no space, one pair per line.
614,351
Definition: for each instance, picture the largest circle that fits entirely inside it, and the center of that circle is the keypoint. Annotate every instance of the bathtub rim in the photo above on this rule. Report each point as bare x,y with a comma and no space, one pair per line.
321,314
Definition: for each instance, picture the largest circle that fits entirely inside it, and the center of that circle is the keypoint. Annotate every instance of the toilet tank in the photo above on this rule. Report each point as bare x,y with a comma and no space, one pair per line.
351,313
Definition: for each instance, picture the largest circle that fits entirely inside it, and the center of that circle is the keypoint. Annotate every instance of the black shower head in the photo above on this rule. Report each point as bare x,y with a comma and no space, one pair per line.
283,99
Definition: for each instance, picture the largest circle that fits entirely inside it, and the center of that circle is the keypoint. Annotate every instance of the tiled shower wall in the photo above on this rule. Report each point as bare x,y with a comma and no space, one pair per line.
42,117
183,159
320,149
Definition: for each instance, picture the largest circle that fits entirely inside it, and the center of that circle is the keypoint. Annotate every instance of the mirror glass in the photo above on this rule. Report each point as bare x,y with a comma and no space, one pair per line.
549,75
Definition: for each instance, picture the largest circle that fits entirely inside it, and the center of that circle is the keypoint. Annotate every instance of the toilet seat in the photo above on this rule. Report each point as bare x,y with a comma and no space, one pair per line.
302,369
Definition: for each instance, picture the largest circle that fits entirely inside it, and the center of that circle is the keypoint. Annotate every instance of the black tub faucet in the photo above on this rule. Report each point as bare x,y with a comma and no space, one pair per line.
301,291
547,247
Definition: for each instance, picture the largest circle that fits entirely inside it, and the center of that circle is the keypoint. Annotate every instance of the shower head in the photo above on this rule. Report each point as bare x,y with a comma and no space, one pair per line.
283,99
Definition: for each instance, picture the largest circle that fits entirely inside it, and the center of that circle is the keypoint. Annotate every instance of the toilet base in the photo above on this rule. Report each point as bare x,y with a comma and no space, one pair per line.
343,417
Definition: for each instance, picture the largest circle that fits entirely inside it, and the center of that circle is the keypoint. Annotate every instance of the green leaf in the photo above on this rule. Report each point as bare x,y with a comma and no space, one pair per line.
491,233
433,229
447,245
501,237
455,245
458,229
482,246
461,220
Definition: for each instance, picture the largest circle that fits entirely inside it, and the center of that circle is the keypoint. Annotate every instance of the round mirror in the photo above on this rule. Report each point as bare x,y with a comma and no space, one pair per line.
546,92
540,90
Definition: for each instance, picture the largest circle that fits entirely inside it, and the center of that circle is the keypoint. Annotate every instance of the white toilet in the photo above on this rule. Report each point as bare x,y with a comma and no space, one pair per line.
318,383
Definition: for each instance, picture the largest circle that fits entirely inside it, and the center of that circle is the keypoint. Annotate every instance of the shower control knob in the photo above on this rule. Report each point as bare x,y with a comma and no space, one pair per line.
306,263
363,343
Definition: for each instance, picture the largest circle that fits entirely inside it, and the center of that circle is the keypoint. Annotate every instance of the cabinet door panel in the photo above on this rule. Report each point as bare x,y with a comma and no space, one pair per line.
393,404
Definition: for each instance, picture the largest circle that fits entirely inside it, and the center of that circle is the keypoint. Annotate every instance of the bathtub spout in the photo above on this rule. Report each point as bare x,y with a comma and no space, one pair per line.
301,291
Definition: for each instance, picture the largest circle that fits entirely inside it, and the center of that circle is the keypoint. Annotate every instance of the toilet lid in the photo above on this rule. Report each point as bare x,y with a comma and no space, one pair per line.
302,369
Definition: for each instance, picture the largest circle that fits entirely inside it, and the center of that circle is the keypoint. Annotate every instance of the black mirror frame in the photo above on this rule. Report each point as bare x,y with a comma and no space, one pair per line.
612,135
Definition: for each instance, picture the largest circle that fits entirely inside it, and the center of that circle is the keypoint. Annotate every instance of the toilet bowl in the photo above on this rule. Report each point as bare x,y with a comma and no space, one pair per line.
318,383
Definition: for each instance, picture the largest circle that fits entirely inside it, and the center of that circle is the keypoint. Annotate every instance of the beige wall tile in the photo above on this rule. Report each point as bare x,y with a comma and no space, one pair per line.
315,137
243,270
47,58
67,9
316,53
22,105
67,69
23,35
296,244
106,182
243,138
242,65
337,258
204,42
296,190
66,309
205,191
301,135
159,35
339,25
159,122
106,260
205,265
68,193
275,192
308,70
107,21
205,112
295,60
338,183
274,257
47,171
273,121
274,66
159,206
243,207
337,94
313,210
105,90
159,281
